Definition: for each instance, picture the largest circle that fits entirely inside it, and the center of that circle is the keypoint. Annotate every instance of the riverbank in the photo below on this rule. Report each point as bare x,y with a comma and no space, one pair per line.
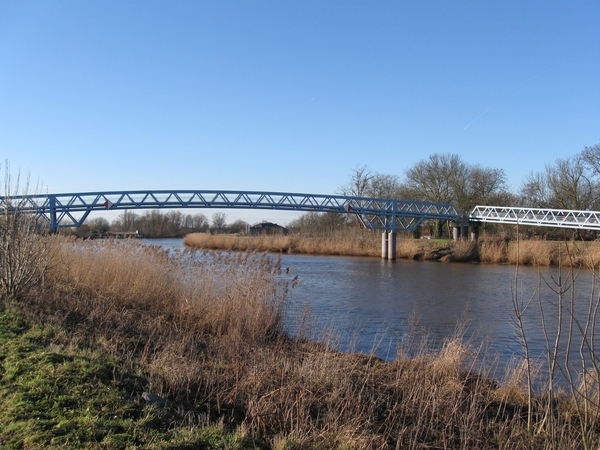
205,336
526,252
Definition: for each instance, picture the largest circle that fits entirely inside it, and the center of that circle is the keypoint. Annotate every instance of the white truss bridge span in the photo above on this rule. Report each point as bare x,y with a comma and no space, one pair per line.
562,218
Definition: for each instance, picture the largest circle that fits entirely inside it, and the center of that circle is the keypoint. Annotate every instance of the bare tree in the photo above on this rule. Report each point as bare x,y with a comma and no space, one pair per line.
591,157
438,179
219,221
360,179
568,184
99,225
435,178
239,226
127,221
487,186
535,192
383,186
571,185
199,222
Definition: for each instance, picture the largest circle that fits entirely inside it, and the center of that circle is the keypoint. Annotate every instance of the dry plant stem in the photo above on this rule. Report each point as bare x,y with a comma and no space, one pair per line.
587,389
552,358
519,308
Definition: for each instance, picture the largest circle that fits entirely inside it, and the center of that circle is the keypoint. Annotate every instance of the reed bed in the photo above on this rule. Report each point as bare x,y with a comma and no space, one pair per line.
206,330
541,253
534,252
368,244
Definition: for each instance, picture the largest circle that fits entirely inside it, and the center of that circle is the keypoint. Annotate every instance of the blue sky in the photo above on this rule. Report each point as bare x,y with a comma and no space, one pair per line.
290,95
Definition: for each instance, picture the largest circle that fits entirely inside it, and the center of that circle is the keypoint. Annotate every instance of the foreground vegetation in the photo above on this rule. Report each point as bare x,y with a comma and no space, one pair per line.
368,243
109,321
55,395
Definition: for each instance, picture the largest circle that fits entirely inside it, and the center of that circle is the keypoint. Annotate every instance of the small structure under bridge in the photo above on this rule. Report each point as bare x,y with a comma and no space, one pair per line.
388,215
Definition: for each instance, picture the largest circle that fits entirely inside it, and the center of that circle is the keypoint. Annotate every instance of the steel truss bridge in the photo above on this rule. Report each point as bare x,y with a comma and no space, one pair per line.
71,210
563,218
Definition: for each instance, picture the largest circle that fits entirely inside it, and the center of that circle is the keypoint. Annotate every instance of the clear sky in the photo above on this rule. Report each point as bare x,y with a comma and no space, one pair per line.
290,95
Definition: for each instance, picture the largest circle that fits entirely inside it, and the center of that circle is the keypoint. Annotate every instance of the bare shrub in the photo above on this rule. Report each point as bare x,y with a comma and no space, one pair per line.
24,249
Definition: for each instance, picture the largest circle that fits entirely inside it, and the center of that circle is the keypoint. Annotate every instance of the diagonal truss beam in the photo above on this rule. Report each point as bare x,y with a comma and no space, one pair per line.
71,210
585,220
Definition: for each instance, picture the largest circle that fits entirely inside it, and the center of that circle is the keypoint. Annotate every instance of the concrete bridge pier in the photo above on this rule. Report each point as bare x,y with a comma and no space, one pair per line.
461,232
455,233
388,245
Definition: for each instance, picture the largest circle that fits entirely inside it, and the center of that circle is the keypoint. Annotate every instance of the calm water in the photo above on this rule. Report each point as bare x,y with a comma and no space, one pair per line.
373,303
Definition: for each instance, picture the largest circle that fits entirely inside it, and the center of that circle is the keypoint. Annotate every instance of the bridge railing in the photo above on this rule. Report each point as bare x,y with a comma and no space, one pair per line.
71,210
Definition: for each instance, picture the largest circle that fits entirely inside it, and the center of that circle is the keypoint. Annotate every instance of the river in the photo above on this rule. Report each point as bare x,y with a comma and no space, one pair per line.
374,304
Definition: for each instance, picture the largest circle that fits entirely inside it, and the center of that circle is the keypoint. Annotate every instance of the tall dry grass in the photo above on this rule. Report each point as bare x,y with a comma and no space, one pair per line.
206,328
368,244
525,252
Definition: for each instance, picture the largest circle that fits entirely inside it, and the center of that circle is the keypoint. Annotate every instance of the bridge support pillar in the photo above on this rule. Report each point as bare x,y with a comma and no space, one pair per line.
392,245
53,221
474,232
455,233
464,232
388,245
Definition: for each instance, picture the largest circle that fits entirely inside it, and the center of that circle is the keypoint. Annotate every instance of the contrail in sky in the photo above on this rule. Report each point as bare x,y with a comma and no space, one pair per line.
493,104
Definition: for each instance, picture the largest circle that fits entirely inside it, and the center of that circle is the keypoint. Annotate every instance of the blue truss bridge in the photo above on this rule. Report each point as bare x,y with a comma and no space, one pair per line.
71,210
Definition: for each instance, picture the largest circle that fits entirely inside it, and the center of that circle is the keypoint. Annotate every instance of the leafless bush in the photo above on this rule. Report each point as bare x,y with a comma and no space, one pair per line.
24,248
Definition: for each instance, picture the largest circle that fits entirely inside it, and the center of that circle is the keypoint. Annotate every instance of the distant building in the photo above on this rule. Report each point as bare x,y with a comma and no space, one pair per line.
268,229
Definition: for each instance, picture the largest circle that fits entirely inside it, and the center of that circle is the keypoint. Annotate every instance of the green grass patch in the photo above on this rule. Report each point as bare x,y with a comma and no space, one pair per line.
52,396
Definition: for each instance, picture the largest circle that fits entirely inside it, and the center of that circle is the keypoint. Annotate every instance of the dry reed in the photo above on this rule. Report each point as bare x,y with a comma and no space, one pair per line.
525,252
207,330
357,245
493,251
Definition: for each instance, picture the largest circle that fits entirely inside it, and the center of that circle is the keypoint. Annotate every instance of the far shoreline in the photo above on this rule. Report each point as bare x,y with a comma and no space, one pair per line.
532,252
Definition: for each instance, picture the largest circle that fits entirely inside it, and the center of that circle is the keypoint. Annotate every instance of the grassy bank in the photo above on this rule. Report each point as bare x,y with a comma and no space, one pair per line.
54,395
526,252
116,319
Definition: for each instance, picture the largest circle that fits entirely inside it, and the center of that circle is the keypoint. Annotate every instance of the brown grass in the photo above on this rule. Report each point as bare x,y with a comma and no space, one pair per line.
357,245
493,251
462,251
526,252
207,331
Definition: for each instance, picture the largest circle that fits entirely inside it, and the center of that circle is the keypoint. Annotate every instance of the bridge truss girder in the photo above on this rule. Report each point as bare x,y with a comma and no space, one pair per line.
71,210
562,218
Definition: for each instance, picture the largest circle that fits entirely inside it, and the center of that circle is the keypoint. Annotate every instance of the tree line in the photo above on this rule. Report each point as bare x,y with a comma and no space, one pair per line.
154,223
567,183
